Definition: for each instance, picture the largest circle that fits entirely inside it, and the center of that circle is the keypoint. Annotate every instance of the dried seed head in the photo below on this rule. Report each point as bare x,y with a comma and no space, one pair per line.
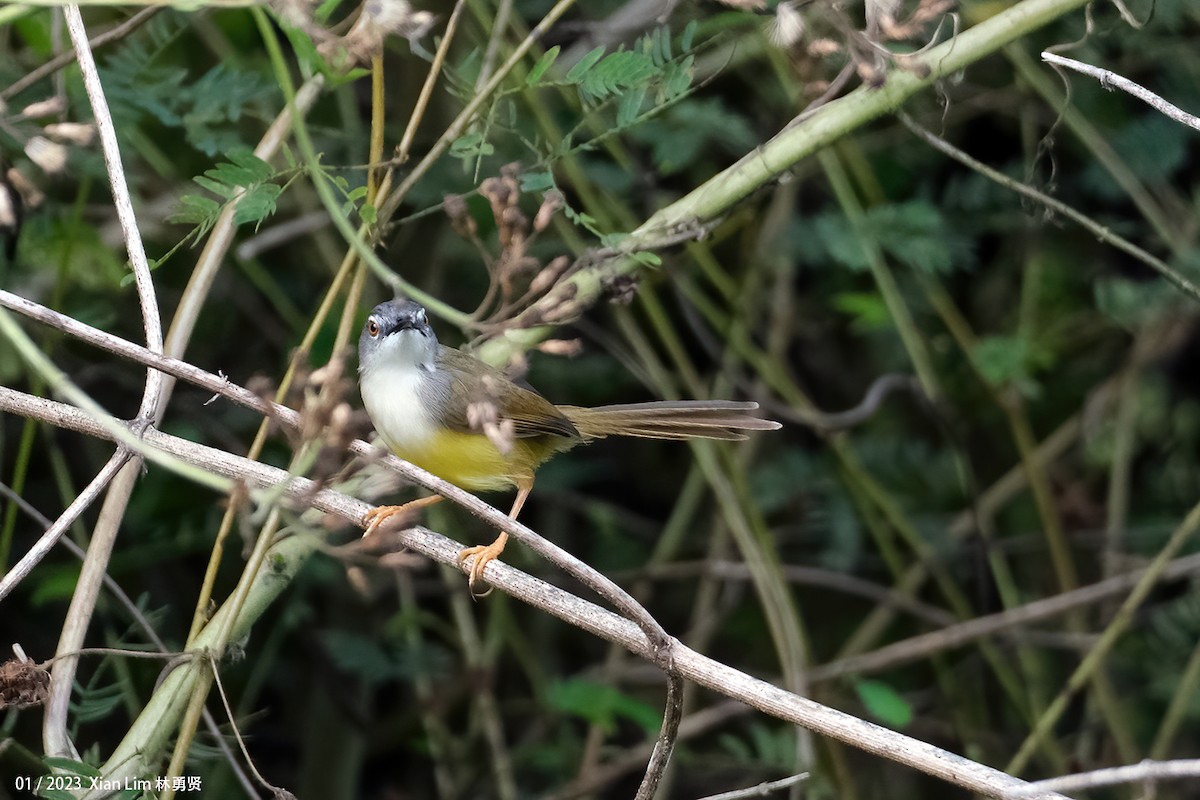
43,108
561,347
822,48
48,155
79,133
496,190
23,684
549,275
787,27
455,206
552,203
871,74
378,20
32,196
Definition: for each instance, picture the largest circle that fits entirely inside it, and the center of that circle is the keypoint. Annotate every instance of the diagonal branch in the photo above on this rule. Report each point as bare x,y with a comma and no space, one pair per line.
91,576
149,732
589,576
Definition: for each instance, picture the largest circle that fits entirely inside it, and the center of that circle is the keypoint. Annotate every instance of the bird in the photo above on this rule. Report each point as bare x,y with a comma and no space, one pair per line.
466,422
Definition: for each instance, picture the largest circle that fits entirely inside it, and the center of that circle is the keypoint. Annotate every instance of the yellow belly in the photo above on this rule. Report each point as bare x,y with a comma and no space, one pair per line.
471,461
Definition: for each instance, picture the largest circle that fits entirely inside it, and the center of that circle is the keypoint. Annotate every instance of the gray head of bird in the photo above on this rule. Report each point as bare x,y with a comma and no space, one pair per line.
397,334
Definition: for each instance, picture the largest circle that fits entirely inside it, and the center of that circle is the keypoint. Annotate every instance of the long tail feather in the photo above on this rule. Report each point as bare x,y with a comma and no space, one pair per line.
680,419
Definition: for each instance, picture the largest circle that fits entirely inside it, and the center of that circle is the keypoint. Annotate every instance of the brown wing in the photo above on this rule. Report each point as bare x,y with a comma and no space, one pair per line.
475,381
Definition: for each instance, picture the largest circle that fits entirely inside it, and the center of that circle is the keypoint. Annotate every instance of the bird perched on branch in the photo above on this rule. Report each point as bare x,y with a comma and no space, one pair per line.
468,423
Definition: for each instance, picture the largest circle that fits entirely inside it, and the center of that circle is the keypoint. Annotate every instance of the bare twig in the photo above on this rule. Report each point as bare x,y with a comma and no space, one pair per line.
1146,772
138,617
1057,206
761,790
87,589
54,532
1109,80
667,735
971,630
1119,623
237,735
583,572
63,59
686,662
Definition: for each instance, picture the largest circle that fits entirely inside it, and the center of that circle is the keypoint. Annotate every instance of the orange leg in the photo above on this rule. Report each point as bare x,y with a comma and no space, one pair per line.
376,516
485,553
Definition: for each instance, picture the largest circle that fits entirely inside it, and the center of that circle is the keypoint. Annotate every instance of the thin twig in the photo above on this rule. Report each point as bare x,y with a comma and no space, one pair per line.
971,630
138,617
1146,772
1099,231
63,59
237,734
761,790
87,588
467,115
47,540
435,69
1109,80
668,733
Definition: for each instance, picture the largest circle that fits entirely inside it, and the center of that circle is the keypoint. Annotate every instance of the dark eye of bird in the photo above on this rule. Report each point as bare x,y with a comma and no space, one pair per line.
373,328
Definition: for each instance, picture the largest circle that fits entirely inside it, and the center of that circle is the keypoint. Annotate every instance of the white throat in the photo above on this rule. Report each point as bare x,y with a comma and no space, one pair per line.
390,381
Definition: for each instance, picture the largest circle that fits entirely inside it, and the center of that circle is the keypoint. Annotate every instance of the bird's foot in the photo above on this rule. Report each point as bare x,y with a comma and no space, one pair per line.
378,515
483,555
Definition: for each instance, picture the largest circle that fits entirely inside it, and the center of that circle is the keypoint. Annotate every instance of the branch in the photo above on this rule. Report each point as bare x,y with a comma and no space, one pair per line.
583,572
287,556
95,565
765,164
1149,772
1109,80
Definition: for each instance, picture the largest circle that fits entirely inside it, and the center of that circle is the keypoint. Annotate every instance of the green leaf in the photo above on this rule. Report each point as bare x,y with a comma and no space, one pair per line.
544,63
538,181
257,203
216,187
470,146
689,33
71,766
243,169
368,214
617,73
869,311
914,233
884,703
194,209
677,78
575,73
1011,359
630,106
601,705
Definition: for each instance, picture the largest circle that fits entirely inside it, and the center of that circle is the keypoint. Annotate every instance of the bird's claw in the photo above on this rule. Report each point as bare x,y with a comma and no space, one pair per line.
484,554
374,518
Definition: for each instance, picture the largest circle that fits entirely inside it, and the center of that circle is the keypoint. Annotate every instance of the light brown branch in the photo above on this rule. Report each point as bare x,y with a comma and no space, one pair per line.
597,582
685,662
1109,79
1150,772
95,565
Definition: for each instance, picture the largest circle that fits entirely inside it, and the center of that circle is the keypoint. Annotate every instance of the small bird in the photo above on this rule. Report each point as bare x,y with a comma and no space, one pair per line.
468,423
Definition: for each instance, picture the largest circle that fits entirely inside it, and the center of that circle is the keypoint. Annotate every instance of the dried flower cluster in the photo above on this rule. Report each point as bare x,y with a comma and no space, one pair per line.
516,277
822,31
363,39
23,684
47,146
